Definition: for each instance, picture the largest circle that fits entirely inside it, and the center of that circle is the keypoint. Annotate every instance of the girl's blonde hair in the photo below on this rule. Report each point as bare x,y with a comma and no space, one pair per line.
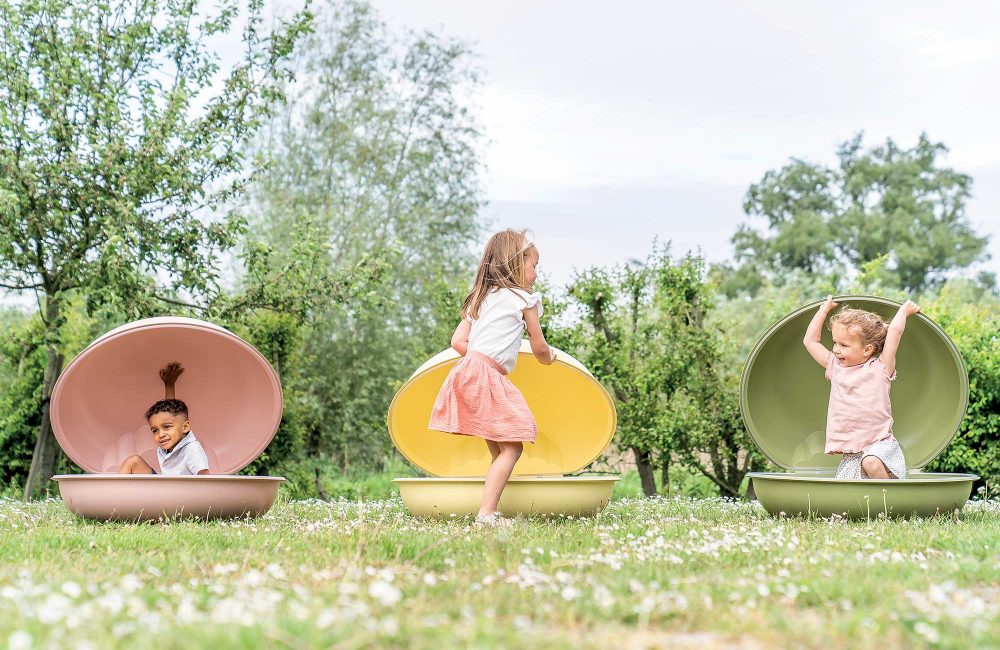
871,327
502,266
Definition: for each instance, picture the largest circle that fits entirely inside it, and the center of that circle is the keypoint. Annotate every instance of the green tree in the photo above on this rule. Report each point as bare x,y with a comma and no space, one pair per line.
970,316
380,144
646,334
22,360
115,149
886,200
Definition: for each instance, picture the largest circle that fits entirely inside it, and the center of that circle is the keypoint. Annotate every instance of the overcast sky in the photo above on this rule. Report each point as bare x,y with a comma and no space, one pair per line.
610,124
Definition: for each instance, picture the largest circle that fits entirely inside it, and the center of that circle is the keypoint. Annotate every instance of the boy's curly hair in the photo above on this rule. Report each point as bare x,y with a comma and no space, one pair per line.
871,327
171,406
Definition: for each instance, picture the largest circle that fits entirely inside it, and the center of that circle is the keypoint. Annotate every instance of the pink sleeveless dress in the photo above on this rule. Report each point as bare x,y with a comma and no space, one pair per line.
859,418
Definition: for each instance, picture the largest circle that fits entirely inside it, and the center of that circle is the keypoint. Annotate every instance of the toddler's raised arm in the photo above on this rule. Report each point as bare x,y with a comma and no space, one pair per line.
814,333
895,334
169,374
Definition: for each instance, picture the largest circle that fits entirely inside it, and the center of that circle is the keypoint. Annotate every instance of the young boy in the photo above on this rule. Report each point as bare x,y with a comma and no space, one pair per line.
179,451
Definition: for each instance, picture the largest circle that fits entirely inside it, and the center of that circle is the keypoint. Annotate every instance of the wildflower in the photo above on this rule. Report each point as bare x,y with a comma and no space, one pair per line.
384,593
603,597
326,618
19,640
927,631
389,626
130,583
71,589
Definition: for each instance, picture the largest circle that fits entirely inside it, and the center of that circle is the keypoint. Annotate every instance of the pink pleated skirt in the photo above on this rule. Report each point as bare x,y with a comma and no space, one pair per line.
477,399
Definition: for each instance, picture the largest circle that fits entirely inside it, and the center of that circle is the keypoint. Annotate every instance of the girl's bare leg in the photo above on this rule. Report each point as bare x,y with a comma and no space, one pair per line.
875,468
494,450
498,475
135,465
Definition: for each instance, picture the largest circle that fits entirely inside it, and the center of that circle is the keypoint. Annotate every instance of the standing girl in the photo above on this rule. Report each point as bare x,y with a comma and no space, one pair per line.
477,398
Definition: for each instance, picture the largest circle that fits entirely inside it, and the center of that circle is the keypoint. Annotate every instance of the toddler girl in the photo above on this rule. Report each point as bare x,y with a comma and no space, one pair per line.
477,398
860,367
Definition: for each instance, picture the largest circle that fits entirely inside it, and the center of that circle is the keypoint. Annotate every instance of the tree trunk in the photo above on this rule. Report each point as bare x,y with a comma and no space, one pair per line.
319,486
43,461
665,477
645,472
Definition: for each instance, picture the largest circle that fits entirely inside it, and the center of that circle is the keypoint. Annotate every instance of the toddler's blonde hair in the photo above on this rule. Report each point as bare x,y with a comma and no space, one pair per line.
502,266
871,327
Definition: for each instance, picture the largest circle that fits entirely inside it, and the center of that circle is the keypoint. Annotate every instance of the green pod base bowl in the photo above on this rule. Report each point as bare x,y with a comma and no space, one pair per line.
921,495
441,498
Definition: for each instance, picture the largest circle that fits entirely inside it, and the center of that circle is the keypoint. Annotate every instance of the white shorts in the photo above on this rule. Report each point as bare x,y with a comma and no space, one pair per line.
887,450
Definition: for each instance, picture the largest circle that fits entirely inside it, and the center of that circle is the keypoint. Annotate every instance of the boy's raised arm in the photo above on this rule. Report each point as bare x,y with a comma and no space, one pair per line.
814,333
169,374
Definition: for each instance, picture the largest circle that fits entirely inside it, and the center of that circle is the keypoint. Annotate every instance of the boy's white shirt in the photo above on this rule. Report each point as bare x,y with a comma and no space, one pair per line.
498,331
187,457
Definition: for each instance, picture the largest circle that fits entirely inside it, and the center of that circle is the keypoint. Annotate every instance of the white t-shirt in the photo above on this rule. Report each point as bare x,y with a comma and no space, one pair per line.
498,331
187,457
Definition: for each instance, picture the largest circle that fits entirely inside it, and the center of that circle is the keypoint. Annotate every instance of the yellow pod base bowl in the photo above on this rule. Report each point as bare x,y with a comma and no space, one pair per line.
135,498
442,498
922,494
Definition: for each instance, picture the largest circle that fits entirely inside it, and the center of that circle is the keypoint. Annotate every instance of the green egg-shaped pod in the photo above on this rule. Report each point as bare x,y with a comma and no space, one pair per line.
784,398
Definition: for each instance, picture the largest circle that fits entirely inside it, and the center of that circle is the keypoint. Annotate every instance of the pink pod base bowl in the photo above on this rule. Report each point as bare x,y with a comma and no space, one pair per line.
98,405
137,498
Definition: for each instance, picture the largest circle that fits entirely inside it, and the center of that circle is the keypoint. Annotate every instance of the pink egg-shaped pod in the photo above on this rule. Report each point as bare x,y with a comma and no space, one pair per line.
232,393
98,410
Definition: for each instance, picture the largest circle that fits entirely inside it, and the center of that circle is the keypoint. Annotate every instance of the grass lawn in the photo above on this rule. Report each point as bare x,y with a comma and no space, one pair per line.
686,573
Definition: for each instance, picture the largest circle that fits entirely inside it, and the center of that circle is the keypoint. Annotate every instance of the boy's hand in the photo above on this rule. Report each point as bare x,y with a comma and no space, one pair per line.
909,308
171,372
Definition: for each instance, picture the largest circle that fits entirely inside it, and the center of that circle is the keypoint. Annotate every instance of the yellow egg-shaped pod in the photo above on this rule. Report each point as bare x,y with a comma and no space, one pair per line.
575,415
